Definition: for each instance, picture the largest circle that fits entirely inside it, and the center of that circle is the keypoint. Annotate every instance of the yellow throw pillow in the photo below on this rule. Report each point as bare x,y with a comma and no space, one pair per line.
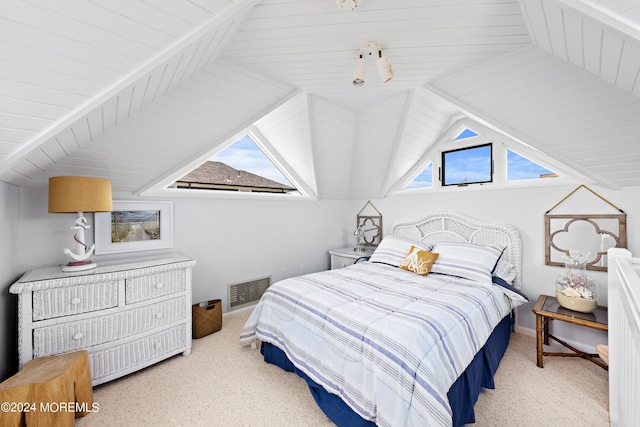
419,261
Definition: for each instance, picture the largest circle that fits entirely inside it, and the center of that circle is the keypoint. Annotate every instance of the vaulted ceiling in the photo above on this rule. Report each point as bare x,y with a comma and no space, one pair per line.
140,91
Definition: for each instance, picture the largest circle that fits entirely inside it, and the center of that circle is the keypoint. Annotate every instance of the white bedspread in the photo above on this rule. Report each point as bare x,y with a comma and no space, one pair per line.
390,343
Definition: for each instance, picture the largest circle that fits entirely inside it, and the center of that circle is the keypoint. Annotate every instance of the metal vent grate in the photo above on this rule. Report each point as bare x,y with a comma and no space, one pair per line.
244,293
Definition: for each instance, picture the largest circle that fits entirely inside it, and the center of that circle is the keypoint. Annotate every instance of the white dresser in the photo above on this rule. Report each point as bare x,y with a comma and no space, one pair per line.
128,314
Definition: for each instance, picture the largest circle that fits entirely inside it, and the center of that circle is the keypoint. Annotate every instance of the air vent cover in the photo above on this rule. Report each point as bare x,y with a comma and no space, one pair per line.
244,293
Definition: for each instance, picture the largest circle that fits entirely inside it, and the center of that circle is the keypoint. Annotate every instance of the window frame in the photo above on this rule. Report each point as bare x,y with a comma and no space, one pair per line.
442,168
553,174
501,145
304,192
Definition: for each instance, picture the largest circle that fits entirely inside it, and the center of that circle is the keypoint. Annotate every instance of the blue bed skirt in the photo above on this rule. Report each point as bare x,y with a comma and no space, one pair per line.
463,394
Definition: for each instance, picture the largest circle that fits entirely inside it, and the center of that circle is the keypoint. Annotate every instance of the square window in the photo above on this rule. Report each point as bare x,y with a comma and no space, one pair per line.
472,165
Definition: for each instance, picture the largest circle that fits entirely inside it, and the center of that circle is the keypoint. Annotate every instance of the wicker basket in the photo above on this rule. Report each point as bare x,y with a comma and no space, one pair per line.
207,318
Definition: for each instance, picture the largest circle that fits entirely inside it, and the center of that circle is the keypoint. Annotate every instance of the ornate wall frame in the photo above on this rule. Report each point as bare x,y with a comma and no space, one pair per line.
591,234
371,225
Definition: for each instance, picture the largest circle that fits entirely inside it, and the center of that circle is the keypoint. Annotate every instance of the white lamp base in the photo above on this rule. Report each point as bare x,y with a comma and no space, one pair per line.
79,266
81,259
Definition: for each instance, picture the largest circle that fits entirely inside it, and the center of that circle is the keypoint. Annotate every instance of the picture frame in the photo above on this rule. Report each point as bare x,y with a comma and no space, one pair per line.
134,226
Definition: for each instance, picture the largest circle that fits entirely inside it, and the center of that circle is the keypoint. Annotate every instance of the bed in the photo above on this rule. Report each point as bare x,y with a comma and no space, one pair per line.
408,337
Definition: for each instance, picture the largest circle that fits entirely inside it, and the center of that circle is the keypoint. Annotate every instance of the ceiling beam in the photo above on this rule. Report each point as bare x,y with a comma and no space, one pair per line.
604,16
386,185
236,9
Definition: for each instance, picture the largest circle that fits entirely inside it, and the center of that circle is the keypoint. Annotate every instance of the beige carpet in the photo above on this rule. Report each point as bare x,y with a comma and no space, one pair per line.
223,384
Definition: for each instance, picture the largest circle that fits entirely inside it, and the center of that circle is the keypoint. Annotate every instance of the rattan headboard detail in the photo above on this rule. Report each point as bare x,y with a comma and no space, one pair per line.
457,227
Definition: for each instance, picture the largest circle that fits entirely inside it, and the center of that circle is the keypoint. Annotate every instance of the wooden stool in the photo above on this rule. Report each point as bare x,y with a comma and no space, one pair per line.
48,391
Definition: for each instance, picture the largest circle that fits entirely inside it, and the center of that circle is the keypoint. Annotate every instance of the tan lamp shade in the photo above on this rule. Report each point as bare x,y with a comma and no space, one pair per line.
72,194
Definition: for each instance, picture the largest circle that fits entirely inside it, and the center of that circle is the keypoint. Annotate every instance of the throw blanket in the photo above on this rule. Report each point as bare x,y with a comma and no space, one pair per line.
389,342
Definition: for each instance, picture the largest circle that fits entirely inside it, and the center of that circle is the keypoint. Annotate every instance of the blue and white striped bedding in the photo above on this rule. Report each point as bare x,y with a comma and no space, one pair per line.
389,342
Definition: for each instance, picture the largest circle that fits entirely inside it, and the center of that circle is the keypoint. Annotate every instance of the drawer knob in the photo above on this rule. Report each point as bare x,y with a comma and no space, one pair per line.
157,346
159,285
75,301
78,336
159,315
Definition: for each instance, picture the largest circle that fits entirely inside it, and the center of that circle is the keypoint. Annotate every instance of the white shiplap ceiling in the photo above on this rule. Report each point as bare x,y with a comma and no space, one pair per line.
137,91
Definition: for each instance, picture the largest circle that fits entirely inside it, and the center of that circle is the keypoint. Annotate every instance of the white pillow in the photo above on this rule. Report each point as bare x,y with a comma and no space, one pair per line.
393,250
473,262
506,271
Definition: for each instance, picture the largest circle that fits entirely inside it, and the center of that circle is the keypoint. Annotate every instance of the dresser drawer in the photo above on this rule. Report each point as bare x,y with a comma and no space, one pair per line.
129,355
155,285
338,261
64,301
71,336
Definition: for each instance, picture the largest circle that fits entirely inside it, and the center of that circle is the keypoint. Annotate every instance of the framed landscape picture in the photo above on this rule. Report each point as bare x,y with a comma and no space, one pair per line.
134,226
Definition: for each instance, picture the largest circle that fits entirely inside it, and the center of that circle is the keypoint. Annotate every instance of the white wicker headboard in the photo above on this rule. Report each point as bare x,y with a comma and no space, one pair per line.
457,227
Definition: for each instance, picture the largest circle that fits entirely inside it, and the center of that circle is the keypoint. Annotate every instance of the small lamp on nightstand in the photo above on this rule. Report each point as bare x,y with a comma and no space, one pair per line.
79,194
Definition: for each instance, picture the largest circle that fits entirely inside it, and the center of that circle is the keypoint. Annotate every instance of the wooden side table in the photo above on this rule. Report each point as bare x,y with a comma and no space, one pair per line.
547,308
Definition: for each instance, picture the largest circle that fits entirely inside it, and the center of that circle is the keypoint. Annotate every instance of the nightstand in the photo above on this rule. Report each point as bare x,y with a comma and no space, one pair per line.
547,309
347,256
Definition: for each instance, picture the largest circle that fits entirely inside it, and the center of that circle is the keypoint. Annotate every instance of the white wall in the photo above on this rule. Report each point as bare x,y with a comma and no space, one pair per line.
9,272
231,240
238,240
525,209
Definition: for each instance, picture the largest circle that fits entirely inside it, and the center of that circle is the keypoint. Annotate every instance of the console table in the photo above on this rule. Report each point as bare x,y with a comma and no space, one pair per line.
128,314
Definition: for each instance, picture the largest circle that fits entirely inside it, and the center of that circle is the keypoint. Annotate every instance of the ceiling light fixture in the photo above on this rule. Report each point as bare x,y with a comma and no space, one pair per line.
348,4
372,49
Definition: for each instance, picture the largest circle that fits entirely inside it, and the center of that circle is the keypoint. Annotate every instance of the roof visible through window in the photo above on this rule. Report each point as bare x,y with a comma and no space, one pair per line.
242,166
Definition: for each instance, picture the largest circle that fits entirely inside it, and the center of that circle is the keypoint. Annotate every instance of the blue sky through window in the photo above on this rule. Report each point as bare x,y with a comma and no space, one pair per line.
474,165
245,155
519,168
424,180
467,133
471,164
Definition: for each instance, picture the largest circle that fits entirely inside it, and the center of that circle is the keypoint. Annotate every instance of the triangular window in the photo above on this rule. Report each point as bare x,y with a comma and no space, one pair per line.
242,166
424,180
520,168
465,134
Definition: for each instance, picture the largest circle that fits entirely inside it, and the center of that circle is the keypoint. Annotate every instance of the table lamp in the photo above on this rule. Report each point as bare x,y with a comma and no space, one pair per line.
79,194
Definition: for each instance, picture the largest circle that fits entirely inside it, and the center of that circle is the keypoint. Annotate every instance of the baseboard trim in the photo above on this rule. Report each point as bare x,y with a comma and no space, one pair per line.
239,311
